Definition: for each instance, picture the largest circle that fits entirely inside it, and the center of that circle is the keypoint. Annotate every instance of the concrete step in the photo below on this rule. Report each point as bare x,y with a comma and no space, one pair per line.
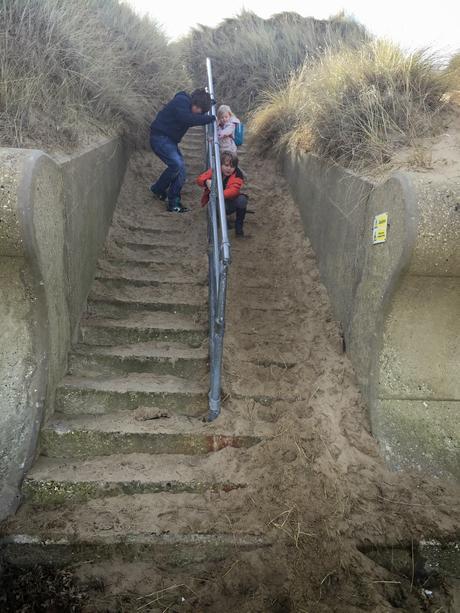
195,152
109,297
171,254
170,234
158,220
142,327
154,357
145,276
54,481
86,436
150,238
172,530
120,224
80,395
153,272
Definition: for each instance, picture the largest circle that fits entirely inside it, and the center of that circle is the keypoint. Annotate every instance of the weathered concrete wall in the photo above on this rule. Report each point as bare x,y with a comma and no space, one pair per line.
54,216
92,182
398,302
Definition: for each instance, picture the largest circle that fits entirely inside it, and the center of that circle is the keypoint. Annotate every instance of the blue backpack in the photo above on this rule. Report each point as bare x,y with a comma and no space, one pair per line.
239,134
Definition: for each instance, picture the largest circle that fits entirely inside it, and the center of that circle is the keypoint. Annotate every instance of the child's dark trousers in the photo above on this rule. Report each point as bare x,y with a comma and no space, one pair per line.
237,205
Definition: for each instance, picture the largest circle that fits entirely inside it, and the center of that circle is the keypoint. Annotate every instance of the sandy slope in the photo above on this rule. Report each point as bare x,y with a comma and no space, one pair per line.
319,487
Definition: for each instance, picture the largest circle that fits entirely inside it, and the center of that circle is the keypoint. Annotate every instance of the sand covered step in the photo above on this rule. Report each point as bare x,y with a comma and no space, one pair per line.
150,274
266,387
194,157
166,237
141,236
155,357
55,481
142,327
80,395
150,213
158,221
171,529
112,297
174,254
143,431
153,272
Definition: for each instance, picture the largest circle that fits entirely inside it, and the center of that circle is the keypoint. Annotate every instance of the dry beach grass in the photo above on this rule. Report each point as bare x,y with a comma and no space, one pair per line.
69,70
356,106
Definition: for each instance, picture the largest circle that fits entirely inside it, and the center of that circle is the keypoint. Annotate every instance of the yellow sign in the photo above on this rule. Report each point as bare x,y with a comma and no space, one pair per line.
379,234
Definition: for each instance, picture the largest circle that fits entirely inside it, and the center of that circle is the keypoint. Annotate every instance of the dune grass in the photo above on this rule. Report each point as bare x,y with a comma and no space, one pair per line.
355,105
453,72
251,54
69,69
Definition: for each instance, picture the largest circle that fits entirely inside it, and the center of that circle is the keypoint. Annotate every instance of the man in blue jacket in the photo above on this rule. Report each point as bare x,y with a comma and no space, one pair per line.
166,132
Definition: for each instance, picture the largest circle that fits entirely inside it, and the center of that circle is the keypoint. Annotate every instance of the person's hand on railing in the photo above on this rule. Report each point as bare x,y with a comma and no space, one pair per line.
208,183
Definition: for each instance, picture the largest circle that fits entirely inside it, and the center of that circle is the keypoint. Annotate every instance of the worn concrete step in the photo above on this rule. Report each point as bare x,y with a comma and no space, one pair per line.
158,220
109,297
121,224
173,530
167,550
171,251
154,214
80,395
193,143
150,238
154,272
145,276
193,150
185,287
86,436
100,306
148,253
168,235
142,327
154,357
54,481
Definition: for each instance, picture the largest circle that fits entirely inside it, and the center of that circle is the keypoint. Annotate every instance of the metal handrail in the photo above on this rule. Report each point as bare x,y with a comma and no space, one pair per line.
219,254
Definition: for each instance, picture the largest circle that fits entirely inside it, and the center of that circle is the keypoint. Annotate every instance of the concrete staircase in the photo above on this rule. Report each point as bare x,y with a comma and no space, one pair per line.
126,454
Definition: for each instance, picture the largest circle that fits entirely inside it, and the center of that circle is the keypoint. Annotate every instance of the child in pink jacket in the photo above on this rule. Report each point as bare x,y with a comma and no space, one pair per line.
226,124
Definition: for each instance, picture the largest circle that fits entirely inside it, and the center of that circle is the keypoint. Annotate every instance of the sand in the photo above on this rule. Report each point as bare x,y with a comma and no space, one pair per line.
316,486
319,487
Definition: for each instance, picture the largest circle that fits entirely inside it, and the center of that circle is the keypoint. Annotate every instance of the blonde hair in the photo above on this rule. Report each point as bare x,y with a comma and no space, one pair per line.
224,108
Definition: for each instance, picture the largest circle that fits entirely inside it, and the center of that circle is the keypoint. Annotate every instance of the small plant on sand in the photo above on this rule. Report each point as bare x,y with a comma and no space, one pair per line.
355,105
69,69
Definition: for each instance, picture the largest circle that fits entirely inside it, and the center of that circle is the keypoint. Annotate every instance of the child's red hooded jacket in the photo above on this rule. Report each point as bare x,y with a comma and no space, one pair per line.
232,185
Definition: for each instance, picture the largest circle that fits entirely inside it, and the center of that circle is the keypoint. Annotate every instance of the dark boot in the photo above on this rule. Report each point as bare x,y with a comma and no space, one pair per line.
240,215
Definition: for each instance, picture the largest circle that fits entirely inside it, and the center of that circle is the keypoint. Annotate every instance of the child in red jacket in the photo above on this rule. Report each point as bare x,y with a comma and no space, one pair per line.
233,180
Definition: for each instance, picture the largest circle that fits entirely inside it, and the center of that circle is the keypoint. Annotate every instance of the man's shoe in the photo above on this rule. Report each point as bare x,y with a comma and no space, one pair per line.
159,195
176,207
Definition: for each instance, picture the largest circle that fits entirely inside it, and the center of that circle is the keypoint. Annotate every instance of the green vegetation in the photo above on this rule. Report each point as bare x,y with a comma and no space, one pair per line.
355,105
251,54
71,69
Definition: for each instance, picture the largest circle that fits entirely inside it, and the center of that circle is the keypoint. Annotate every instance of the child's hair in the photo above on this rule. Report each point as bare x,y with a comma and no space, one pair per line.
229,156
224,108
201,99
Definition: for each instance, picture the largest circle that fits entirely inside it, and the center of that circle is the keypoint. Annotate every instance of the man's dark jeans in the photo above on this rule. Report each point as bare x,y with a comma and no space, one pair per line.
237,205
173,178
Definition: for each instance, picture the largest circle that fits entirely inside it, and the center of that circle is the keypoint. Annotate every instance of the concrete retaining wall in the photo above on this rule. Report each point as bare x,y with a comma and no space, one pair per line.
398,302
54,216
